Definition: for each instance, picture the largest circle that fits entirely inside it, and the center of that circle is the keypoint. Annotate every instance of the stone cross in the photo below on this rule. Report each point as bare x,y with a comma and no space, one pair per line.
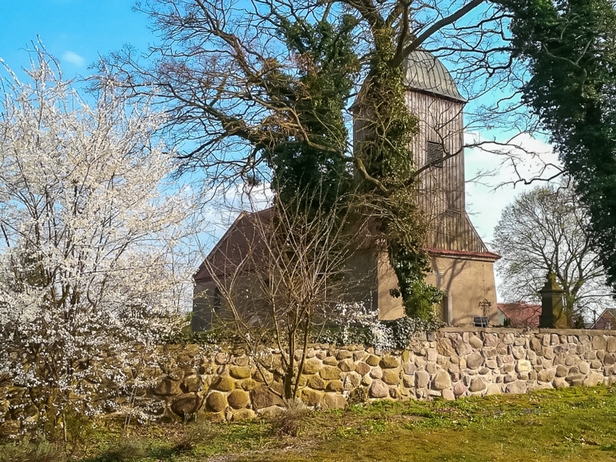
552,310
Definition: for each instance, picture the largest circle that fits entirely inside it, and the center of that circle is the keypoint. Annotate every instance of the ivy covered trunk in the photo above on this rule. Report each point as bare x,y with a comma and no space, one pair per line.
387,172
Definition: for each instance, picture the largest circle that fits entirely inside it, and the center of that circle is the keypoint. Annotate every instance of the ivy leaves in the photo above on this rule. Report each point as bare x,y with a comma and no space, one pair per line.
313,158
570,49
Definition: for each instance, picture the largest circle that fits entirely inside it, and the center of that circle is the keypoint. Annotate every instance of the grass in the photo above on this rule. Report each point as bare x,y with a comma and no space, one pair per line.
556,425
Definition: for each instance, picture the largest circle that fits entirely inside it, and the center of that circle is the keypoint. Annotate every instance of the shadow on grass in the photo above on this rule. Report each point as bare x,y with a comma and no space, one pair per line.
134,450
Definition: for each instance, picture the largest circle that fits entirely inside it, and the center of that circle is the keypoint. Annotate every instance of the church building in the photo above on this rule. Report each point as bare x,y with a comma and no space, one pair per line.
462,265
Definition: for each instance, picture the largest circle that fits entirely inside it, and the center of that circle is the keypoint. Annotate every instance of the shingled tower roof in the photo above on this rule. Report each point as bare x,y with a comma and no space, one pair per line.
425,73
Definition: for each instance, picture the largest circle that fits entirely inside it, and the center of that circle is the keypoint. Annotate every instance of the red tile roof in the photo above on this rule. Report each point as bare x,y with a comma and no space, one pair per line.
243,238
607,320
521,314
489,256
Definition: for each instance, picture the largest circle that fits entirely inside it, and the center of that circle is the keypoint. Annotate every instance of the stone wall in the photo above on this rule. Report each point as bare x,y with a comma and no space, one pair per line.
450,363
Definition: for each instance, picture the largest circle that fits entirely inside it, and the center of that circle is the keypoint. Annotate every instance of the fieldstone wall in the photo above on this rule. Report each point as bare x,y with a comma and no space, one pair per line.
450,363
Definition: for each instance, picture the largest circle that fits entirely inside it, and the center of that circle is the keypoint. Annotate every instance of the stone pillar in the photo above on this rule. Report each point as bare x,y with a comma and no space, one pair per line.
552,313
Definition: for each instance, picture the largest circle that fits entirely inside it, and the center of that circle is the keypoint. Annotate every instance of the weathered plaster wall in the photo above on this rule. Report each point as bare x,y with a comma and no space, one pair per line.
389,307
204,302
466,283
369,278
450,363
210,305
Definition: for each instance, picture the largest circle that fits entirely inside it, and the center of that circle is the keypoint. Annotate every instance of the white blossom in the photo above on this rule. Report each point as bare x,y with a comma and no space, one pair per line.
86,230
356,314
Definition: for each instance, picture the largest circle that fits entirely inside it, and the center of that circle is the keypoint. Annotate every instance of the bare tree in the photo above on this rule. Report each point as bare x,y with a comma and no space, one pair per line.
223,69
546,230
282,272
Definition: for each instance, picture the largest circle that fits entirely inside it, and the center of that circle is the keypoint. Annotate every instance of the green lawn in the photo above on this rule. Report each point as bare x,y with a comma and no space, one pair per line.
572,424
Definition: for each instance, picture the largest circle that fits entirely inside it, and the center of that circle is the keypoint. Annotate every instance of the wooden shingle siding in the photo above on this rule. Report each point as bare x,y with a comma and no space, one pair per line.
441,190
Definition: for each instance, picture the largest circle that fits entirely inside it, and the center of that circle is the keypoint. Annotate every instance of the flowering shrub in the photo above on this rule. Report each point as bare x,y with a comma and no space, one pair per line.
86,280
354,323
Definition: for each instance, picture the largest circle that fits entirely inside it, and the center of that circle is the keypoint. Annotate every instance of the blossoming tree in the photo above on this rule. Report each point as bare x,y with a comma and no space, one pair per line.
86,236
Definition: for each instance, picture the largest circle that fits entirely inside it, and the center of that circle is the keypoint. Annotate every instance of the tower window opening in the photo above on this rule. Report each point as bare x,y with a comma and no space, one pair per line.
435,154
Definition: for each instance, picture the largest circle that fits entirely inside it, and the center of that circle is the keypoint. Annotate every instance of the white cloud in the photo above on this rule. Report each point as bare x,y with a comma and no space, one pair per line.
73,58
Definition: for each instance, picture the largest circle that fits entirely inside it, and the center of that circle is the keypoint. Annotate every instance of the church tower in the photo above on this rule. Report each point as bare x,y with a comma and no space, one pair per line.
462,265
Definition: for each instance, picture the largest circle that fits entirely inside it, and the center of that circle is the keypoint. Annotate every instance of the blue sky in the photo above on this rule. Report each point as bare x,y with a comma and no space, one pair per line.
74,31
